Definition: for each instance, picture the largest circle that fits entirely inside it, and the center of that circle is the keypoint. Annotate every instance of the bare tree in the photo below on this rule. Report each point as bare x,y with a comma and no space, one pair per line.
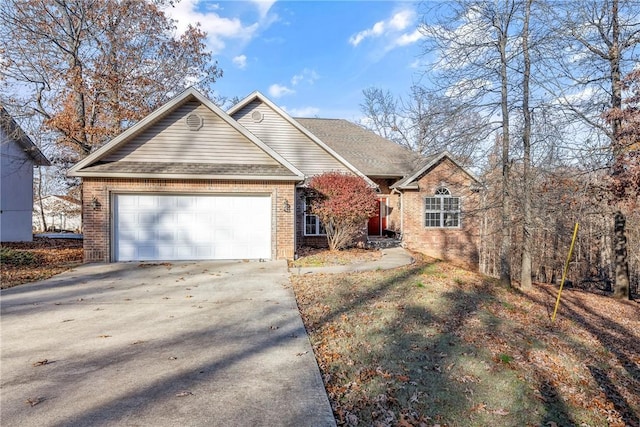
90,68
525,273
426,122
604,35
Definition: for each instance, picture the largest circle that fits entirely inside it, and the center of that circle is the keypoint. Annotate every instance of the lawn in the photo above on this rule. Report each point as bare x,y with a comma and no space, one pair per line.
31,261
431,344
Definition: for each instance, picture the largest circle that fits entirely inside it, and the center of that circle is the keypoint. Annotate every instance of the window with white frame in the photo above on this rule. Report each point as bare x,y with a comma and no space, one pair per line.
442,209
312,224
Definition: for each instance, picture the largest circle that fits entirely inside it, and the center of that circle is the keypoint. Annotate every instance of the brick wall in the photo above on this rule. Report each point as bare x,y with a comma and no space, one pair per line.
97,222
301,239
454,244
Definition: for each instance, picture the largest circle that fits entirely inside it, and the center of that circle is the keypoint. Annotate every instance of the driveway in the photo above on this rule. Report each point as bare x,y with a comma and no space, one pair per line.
180,344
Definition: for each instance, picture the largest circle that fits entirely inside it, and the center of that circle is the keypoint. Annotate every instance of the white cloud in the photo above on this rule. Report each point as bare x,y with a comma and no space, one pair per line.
408,38
392,29
307,75
219,29
240,61
302,112
263,6
402,19
277,90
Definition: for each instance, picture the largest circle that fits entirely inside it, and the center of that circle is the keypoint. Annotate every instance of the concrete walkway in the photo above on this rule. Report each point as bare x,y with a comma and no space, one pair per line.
169,344
391,258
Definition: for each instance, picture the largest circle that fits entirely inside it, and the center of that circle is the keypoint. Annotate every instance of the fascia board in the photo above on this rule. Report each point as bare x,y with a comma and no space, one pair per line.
170,105
442,155
259,96
87,174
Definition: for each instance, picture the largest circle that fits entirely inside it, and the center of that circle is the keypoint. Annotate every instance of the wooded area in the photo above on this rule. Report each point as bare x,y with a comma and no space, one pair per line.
542,99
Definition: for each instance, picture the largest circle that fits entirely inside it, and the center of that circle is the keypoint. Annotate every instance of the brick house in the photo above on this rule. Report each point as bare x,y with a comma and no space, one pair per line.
191,181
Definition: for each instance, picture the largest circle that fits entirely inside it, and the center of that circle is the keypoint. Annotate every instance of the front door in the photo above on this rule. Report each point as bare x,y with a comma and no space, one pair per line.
378,223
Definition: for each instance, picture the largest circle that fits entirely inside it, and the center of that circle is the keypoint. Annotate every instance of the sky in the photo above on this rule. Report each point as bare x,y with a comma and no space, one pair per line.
311,58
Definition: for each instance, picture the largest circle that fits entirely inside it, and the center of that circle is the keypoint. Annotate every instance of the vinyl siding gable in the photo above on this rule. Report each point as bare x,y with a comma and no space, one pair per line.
170,140
286,140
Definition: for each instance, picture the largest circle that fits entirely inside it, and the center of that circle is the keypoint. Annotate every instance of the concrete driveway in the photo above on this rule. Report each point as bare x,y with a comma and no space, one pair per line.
180,344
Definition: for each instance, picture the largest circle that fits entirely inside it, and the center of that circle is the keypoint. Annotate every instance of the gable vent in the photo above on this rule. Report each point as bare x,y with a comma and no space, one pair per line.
257,116
194,121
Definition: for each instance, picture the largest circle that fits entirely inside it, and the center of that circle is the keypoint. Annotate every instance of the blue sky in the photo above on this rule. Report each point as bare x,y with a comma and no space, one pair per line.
312,58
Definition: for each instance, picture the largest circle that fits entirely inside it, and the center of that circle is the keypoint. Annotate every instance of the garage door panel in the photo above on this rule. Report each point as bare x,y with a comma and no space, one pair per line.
175,227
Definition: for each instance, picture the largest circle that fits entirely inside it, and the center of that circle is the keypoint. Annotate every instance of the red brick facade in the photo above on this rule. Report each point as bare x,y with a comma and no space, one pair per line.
406,215
97,213
454,244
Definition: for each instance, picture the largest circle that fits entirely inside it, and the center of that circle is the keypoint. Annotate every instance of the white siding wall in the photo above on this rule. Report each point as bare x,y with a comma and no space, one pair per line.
289,142
16,192
171,140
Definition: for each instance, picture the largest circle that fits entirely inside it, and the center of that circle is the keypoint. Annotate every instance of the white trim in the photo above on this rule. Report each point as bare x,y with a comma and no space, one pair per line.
304,221
422,170
259,96
187,176
191,92
441,211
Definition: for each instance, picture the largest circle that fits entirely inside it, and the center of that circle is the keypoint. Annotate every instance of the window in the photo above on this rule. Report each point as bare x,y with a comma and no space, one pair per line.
312,224
442,210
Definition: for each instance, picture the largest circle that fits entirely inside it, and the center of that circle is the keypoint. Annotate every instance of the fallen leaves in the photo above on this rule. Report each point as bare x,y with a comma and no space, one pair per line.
436,350
33,401
52,256
312,257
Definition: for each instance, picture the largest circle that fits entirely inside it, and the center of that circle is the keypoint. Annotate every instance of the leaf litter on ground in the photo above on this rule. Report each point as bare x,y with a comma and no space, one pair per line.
25,262
462,350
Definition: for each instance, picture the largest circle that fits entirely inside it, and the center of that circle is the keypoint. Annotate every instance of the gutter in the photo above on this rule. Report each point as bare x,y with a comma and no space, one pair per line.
395,190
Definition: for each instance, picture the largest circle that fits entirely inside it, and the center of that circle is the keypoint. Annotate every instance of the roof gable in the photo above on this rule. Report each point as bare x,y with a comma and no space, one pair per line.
291,139
13,132
409,182
189,137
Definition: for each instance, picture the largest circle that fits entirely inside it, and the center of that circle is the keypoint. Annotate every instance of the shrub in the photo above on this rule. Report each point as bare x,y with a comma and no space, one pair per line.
17,257
344,204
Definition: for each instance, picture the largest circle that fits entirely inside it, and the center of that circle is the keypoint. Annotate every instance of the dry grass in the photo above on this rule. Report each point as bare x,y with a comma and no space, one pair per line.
312,257
38,260
432,344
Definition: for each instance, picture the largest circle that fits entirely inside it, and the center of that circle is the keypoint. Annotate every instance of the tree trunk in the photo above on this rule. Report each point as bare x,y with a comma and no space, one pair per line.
525,274
505,243
621,287
39,192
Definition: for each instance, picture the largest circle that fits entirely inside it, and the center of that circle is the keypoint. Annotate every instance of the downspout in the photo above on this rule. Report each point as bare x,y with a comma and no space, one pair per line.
295,222
395,190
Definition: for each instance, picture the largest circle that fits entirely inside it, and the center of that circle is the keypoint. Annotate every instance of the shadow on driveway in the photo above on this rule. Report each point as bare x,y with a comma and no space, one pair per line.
189,343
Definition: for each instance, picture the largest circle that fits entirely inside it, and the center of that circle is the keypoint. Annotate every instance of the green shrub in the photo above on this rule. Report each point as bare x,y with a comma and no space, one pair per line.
17,257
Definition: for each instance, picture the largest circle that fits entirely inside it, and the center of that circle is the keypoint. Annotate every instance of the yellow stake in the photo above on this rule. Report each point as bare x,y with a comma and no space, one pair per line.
564,273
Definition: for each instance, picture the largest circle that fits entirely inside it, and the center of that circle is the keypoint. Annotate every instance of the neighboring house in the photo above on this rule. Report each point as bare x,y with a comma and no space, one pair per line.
19,156
191,181
61,213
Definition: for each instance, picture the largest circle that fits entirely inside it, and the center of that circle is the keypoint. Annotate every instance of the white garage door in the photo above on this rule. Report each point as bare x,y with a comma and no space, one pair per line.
189,227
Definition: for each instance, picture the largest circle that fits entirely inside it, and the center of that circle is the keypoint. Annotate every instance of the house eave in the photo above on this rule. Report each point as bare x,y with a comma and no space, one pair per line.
16,133
259,96
190,93
412,186
165,176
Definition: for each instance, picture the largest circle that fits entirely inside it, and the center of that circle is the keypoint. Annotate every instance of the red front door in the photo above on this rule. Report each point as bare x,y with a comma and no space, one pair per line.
378,223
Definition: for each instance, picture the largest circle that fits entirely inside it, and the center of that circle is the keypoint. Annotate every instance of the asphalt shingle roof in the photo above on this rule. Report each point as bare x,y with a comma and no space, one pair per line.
191,169
369,153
